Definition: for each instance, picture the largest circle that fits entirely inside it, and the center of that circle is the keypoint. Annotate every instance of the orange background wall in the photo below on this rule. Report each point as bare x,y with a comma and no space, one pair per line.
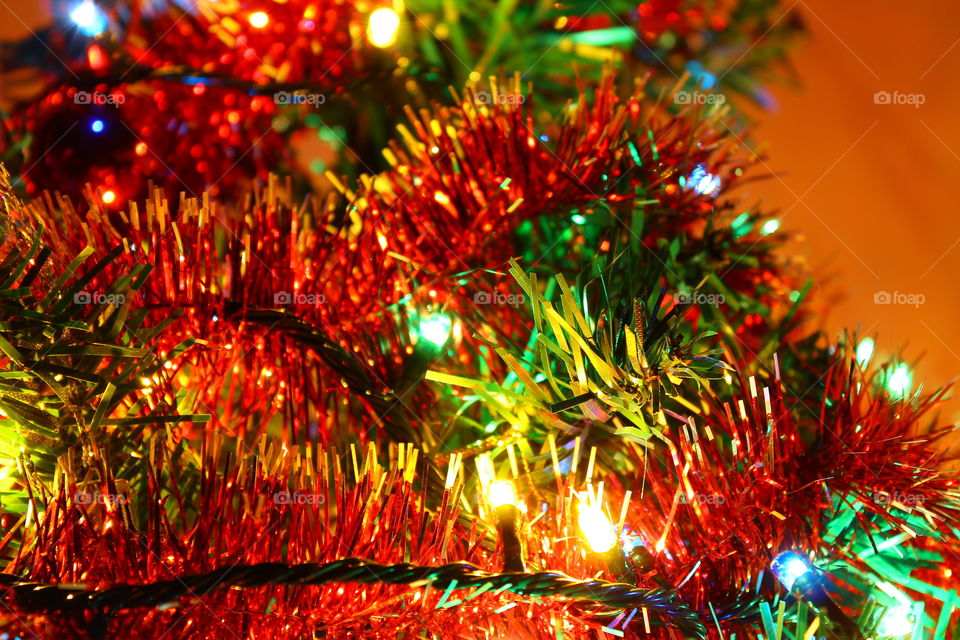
871,187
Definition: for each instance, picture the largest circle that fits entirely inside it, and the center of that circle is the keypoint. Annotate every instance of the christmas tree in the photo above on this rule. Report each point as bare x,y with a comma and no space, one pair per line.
436,319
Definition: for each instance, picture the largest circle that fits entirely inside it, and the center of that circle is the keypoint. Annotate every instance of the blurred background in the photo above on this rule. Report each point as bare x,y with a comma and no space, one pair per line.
864,177
867,184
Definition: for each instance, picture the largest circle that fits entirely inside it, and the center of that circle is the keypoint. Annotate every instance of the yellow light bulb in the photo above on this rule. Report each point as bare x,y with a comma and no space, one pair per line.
502,492
259,19
596,528
109,197
382,27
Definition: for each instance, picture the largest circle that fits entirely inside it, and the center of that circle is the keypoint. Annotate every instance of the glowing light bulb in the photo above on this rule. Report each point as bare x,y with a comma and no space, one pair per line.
741,225
382,27
97,125
790,567
596,528
701,76
259,19
899,381
109,196
865,351
503,498
770,226
897,621
96,57
703,182
502,492
435,329
89,18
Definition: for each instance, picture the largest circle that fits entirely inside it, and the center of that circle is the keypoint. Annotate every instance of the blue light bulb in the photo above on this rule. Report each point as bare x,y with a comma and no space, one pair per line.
89,18
790,567
96,125
703,182
700,76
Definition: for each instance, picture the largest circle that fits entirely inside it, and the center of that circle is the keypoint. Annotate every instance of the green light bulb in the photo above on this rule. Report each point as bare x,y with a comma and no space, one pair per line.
897,621
899,381
435,329
865,351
